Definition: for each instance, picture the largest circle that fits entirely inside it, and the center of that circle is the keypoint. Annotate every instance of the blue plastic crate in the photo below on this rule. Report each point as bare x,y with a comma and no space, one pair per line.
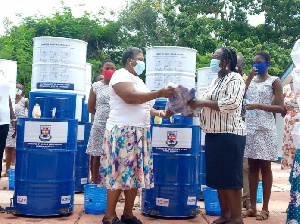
94,199
11,179
211,202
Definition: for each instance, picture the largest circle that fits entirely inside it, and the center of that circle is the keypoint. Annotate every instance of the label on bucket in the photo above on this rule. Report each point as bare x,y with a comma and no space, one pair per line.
84,180
191,201
80,134
172,140
22,200
50,135
65,199
54,85
162,202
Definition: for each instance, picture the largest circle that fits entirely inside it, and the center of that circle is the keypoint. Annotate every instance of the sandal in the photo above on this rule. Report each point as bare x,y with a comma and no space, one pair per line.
133,220
5,175
2,210
249,213
264,215
247,204
116,220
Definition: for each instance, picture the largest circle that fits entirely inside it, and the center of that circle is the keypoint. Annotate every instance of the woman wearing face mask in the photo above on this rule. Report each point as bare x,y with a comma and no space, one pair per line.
261,144
220,119
127,163
21,105
98,105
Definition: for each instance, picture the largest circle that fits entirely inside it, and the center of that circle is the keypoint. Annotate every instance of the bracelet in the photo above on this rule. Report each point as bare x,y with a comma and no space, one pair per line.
13,120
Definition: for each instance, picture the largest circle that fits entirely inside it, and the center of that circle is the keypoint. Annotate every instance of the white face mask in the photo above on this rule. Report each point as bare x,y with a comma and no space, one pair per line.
140,67
215,65
18,91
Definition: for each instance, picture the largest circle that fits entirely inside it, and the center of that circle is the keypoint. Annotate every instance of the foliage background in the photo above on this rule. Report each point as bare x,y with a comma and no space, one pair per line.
204,25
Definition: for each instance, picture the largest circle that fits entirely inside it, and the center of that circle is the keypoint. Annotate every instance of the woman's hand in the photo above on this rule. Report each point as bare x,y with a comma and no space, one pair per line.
14,126
252,72
166,114
253,106
167,92
194,104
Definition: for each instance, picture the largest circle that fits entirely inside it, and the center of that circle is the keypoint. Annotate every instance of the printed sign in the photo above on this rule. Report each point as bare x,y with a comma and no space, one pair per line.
80,134
162,202
65,199
50,135
54,85
172,140
191,201
22,200
84,180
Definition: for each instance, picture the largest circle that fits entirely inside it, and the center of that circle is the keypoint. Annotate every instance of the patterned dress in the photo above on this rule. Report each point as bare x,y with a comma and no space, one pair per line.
288,149
293,214
94,147
261,140
20,111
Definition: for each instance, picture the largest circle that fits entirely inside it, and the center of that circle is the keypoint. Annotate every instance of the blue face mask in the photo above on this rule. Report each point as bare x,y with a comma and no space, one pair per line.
140,67
215,65
261,67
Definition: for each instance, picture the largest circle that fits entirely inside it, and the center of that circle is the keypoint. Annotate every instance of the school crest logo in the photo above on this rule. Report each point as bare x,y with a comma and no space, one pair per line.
171,138
45,131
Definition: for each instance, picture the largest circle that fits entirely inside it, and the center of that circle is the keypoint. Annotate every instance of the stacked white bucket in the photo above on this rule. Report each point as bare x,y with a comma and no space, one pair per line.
204,78
165,64
59,65
8,68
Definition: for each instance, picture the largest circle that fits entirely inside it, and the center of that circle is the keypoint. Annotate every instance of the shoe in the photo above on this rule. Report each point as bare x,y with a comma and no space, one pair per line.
116,220
2,210
133,220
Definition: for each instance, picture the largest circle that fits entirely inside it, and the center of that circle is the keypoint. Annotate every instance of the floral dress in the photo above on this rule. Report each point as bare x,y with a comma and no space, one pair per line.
20,111
293,214
94,146
288,149
261,140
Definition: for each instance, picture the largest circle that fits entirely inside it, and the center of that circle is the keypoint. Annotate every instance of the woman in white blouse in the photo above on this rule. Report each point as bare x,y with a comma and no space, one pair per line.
126,163
225,137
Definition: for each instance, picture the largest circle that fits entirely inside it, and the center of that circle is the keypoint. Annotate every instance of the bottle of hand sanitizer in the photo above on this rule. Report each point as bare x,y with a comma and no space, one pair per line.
36,111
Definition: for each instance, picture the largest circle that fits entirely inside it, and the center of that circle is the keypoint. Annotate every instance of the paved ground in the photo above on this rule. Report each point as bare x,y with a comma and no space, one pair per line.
278,205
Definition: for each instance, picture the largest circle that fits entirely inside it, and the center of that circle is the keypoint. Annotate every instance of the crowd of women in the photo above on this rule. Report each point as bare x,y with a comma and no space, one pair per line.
120,140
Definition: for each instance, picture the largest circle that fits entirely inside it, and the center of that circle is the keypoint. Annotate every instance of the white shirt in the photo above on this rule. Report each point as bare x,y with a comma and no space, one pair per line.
123,114
4,100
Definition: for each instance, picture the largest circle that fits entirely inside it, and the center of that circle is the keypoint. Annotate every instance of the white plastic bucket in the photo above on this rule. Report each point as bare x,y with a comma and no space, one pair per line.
170,59
205,76
158,80
59,50
58,76
88,81
9,70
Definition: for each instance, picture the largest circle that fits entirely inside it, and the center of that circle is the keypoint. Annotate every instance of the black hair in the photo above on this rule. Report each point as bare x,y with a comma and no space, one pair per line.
95,77
265,55
230,54
105,61
130,53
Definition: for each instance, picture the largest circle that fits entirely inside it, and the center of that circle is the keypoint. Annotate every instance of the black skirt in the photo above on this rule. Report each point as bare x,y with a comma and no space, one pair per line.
224,160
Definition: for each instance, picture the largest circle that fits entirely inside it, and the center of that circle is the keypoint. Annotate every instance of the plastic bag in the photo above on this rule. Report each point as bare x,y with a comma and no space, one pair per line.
295,54
179,103
296,79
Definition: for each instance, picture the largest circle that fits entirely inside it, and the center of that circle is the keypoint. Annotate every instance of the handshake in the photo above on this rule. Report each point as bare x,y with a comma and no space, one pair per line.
179,103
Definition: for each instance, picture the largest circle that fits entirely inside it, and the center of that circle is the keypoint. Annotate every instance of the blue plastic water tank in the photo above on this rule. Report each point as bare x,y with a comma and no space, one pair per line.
65,104
82,159
202,172
45,162
175,163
